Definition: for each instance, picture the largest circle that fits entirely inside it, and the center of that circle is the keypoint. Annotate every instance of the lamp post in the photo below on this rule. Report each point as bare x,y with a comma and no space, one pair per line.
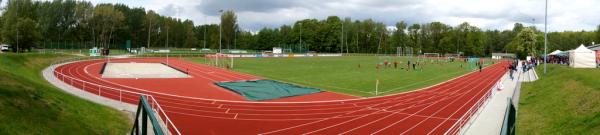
220,30
546,37
300,35
342,40
205,27
17,14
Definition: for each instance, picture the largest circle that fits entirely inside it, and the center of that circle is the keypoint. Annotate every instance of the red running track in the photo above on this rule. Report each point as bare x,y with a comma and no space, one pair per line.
431,110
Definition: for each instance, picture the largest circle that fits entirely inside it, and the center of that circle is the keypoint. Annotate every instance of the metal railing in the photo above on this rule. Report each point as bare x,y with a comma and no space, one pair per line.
146,113
123,96
457,128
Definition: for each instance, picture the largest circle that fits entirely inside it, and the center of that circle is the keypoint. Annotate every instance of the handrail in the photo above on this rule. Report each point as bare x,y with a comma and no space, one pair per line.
144,109
155,105
458,126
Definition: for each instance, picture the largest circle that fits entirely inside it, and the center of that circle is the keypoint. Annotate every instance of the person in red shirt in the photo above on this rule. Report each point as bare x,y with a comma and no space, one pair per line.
385,63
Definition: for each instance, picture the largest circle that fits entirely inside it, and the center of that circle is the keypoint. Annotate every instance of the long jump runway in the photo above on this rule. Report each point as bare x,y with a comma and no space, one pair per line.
197,106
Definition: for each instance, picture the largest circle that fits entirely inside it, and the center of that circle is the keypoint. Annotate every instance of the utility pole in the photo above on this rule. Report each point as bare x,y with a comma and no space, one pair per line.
546,37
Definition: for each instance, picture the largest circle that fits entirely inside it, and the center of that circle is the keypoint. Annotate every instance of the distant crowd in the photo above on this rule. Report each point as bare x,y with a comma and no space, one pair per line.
555,59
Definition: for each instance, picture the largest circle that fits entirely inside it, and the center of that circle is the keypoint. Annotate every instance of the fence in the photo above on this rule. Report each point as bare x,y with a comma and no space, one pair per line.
457,128
123,96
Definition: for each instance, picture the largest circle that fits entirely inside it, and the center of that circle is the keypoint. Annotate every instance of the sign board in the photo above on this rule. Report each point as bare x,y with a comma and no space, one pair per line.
94,52
277,50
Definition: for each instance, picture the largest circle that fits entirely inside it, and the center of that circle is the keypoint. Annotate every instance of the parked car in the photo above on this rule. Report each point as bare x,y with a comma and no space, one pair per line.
4,47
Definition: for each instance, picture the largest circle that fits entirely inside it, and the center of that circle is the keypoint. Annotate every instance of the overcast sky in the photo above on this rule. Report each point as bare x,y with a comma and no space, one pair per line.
563,15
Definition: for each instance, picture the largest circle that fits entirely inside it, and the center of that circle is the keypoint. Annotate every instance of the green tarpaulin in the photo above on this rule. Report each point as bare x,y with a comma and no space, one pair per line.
266,89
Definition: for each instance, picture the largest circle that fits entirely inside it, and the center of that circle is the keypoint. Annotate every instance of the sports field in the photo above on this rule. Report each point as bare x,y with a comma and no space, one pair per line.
344,75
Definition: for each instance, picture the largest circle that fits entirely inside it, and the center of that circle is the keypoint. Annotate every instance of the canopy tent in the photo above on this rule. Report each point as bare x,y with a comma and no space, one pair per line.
582,57
556,52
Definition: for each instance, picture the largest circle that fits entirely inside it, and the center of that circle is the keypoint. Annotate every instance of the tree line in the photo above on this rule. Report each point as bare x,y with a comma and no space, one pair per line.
35,24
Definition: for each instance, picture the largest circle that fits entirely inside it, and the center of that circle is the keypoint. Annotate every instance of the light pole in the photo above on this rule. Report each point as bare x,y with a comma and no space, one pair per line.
17,12
149,24
300,35
342,46
235,38
220,30
205,27
546,37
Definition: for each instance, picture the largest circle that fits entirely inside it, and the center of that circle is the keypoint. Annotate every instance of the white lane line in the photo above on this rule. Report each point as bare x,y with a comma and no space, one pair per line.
483,83
382,129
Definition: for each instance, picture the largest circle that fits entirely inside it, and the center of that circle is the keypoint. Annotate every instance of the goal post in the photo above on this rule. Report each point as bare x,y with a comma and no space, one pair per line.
431,57
220,60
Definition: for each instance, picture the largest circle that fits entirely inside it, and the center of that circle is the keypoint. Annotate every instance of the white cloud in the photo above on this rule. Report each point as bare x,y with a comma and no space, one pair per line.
487,14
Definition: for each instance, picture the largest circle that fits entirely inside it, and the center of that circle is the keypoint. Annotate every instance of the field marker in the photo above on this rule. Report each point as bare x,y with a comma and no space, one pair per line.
376,87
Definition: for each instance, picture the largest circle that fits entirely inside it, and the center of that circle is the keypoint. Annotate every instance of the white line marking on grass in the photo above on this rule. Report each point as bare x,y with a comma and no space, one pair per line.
405,86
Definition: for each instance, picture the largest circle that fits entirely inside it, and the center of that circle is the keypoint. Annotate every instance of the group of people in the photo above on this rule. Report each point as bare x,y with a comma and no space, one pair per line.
529,64
557,59
386,64
526,65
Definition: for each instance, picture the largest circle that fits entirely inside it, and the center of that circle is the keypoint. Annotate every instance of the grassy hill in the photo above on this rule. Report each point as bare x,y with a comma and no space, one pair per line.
30,105
563,101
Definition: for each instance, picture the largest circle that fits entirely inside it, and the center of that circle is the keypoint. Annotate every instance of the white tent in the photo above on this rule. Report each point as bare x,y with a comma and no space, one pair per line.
582,57
555,52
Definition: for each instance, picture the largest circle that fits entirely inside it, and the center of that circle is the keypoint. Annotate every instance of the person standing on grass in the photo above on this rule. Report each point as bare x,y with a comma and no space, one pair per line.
395,64
480,67
385,63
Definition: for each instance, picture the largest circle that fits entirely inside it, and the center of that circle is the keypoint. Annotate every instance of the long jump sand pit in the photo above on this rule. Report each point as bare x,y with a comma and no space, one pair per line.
141,70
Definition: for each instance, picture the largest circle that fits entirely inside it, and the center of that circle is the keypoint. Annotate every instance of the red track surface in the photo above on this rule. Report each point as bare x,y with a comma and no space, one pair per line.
428,111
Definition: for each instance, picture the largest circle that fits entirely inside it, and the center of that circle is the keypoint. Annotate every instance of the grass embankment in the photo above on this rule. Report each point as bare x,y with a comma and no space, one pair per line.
563,101
342,74
30,105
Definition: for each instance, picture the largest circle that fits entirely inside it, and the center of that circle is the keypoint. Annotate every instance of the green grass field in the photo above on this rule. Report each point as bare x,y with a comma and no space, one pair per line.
342,74
563,101
30,105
